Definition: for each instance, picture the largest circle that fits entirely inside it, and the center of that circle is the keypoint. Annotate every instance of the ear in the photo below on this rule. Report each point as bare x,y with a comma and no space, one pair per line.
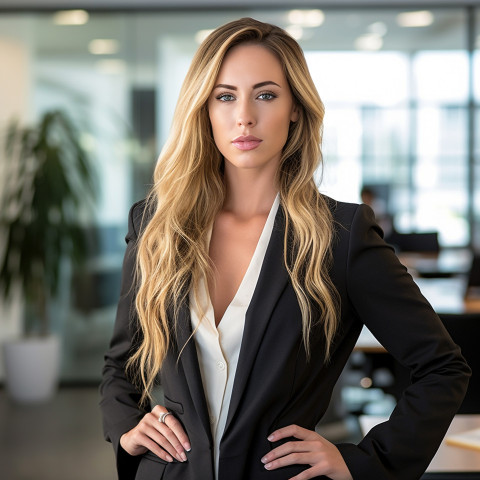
295,113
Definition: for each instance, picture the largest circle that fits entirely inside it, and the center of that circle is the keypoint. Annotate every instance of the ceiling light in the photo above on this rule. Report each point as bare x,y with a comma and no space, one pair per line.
295,31
201,35
422,18
103,46
306,18
70,17
369,41
377,28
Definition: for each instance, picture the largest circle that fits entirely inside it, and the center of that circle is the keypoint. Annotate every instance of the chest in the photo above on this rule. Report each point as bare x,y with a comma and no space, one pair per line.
232,246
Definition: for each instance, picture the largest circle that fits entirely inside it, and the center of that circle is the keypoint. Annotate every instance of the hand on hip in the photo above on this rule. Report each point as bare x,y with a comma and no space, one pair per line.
161,433
312,449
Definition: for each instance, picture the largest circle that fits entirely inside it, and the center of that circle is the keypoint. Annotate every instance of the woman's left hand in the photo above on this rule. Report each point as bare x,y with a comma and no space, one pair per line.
312,449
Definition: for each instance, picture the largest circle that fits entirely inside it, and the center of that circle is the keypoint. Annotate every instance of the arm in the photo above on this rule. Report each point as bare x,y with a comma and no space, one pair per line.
129,426
387,300
119,398
380,293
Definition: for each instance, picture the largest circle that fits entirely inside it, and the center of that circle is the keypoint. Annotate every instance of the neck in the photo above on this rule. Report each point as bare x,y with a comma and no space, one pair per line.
249,193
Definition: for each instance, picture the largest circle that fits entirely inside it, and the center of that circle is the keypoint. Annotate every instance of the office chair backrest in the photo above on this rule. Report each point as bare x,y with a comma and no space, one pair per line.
426,242
474,273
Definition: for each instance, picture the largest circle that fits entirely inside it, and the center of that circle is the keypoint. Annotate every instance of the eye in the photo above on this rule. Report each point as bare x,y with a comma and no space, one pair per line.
267,96
225,97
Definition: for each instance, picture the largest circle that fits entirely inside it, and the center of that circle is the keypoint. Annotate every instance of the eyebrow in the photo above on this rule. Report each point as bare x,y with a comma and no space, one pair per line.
257,85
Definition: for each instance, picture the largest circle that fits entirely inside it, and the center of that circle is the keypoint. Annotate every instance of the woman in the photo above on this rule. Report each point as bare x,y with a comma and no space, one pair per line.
245,289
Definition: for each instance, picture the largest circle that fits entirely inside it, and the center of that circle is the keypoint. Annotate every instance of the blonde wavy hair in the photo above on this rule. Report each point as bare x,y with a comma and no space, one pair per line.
189,191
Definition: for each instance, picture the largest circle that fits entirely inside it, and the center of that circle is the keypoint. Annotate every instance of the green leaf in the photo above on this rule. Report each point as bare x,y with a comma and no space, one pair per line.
49,175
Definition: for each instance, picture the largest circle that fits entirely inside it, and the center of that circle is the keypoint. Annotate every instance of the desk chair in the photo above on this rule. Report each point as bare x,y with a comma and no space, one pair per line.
473,282
415,242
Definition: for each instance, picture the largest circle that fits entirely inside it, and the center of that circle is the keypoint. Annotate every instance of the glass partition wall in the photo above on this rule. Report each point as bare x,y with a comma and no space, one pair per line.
402,116
474,129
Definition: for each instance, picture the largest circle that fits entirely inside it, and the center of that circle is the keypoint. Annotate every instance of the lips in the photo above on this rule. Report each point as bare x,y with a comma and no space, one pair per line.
245,143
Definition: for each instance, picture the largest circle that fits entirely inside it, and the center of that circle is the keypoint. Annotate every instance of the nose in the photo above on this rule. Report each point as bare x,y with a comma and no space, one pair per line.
246,115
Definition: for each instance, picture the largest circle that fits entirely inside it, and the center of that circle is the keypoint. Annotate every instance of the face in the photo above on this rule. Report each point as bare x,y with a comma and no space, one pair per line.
250,109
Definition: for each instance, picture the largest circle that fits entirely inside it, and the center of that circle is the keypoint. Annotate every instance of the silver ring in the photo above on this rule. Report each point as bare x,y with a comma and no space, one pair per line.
163,416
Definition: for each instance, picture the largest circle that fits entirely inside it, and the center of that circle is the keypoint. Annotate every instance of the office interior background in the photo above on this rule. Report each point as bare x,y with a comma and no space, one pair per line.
400,82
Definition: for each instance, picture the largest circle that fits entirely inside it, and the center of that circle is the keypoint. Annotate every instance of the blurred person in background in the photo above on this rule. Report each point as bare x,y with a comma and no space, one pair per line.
382,217
245,289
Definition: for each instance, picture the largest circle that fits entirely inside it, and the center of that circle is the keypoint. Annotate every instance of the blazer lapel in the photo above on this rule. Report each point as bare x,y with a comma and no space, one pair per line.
271,283
191,368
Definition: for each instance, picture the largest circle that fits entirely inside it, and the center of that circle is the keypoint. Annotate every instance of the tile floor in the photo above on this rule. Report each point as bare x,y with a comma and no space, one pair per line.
59,440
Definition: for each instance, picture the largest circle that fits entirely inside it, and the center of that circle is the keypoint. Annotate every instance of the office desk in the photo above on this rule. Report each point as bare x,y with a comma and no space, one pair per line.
446,263
448,459
446,295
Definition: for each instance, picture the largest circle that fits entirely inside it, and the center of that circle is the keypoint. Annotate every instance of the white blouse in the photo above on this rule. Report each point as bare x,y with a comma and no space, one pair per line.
218,347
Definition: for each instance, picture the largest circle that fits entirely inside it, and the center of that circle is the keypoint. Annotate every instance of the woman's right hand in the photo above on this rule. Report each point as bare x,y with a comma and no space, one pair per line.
166,440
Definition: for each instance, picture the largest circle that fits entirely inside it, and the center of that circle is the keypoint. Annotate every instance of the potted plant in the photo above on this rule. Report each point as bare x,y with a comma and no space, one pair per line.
49,182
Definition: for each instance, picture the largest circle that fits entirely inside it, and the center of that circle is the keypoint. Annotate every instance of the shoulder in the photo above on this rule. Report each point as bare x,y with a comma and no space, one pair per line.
343,213
352,219
138,217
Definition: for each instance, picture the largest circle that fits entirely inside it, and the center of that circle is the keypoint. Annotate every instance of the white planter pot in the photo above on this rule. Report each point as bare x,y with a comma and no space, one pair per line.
32,368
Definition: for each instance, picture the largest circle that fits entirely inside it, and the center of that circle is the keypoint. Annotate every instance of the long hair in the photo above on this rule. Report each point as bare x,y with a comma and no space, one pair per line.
189,191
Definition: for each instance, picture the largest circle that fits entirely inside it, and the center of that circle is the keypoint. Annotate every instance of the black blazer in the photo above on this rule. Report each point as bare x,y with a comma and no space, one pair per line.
276,385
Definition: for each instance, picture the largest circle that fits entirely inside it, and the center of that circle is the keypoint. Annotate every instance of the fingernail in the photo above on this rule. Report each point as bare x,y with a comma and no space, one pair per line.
187,446
268,466
169,458
184,457
264,460
271,437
